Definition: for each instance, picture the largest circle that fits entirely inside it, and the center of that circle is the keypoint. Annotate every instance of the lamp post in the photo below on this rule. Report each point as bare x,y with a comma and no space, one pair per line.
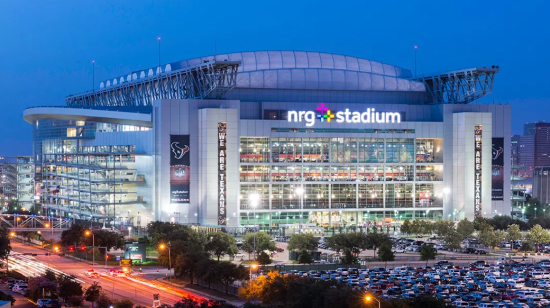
300,192
535,212
88,233
369,298
253,199
253,266
162,246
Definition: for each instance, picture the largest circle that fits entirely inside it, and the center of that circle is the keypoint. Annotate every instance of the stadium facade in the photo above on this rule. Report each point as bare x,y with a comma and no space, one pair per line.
276,138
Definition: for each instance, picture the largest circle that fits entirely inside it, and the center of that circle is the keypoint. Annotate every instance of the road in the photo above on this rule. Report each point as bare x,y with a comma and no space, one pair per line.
115,287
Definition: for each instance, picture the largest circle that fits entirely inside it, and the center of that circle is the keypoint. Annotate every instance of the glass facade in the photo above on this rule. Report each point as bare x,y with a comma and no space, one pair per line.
80,180
380,178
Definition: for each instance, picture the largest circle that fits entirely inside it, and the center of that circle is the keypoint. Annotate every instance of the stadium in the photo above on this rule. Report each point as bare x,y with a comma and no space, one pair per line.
275,139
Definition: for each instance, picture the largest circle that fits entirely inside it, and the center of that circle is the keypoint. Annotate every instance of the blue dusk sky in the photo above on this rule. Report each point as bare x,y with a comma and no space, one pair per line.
47,47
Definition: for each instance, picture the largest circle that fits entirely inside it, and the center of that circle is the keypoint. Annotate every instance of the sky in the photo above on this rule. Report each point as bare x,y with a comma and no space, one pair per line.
47,47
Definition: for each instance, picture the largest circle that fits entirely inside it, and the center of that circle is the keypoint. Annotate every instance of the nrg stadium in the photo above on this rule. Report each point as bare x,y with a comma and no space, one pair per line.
275,139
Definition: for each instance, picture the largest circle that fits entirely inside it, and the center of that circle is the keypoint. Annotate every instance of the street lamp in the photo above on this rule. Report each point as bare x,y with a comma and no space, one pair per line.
369,298
253,199
88,233
535,212
162,246
253,266
300,192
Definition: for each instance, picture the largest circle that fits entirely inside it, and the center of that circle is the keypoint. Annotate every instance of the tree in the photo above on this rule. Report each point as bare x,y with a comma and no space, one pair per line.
5,246
526,246
374,240
263,258
486,235
103,301
406,226
385,254
220,244
351,244
106,238
443,227
39,286
274,290
72,236
263,242
304,257
513,234
537,235
453,240
303,242
480,223
124,303
427,253
230,272
50,275
186,263
69,288
465,229
165,232
92,293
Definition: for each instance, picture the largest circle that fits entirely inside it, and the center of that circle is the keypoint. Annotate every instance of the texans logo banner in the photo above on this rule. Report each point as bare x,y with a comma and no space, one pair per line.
179,168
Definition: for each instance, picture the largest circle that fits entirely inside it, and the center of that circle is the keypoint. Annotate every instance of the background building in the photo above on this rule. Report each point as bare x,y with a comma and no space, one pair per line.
276,138
17,181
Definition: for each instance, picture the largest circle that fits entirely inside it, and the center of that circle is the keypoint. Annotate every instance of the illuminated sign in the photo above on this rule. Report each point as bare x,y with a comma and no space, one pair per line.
477,169
222,170
370,115
180,172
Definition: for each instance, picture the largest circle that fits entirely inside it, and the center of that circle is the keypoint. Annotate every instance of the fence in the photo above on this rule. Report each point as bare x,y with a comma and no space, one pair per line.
231,290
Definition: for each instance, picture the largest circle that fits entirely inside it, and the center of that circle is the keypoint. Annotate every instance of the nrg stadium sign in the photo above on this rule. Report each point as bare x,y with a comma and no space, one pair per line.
324,114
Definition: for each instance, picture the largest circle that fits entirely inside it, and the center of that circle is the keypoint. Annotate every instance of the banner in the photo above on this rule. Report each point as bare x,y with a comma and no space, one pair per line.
478,141
497,178
222,170
179,168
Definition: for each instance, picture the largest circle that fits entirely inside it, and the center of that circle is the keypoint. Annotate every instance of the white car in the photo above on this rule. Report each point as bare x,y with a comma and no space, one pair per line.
398,250
89,272
239,255
20,288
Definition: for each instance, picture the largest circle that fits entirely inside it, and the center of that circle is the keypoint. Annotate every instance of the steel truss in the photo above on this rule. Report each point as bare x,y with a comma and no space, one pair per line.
459,87
30,222
211,79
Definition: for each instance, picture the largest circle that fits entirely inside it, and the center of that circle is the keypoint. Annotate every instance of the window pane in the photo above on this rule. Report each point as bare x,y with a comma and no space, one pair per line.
429,150
343,196
315,150
371,173
344,150
371,196
429,173
254,149
371,150
399,150
286,150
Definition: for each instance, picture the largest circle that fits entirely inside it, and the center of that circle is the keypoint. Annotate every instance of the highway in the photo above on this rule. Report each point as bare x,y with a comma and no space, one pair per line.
140,292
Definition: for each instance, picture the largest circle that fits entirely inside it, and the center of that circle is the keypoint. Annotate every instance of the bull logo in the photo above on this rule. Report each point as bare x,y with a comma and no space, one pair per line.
178,152
497,153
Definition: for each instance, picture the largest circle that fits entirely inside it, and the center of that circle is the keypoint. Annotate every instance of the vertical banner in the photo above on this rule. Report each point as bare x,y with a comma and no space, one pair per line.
222,173
477,170
179,168
497,177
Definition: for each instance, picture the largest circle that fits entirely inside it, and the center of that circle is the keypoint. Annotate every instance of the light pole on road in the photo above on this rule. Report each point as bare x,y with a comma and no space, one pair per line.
88,233
162,246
